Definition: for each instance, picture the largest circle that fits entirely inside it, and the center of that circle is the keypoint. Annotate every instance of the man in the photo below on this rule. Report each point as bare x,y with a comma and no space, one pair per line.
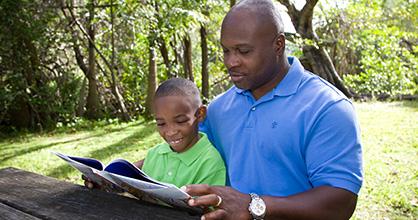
287,137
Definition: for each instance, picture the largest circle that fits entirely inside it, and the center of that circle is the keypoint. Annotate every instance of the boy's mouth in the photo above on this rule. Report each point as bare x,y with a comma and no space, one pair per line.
176,141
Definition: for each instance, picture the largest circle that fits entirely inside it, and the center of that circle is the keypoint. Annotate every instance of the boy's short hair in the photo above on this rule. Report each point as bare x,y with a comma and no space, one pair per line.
179,87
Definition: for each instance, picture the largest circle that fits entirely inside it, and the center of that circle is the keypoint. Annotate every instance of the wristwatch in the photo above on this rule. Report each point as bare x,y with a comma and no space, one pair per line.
257,207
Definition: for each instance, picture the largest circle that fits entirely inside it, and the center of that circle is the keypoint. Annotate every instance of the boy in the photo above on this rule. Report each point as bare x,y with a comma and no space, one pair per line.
187,156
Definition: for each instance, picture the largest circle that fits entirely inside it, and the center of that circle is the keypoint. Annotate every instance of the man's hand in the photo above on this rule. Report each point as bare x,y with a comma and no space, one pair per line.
234,205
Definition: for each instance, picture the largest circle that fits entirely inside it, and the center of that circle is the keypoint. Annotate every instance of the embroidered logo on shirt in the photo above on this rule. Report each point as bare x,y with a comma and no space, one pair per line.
274,124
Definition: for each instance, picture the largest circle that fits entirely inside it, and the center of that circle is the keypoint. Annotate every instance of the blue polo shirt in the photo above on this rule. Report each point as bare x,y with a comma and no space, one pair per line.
300,135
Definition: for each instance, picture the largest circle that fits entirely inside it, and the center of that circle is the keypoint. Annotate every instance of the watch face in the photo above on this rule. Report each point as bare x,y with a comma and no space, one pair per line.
258,207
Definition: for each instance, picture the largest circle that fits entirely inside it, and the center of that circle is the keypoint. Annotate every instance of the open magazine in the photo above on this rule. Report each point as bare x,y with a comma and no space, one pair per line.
120,175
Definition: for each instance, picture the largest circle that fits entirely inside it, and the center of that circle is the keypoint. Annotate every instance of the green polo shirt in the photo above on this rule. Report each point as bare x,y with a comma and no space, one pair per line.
199,164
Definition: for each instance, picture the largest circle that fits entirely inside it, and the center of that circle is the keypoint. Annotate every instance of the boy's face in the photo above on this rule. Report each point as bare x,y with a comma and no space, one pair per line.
177,121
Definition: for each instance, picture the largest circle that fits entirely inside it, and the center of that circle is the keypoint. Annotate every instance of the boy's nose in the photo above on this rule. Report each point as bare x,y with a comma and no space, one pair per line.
171,132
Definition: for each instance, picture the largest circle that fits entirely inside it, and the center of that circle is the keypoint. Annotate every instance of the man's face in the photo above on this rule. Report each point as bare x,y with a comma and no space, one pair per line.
249,51
176,121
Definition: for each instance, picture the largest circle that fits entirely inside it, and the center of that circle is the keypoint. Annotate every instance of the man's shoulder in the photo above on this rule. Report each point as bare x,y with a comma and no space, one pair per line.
227,95
224,99
319,90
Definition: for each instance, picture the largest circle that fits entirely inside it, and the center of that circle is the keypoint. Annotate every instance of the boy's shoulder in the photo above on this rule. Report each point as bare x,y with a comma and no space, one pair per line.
158,149
203,150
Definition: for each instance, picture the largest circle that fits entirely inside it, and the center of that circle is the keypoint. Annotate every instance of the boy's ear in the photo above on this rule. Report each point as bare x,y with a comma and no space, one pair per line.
201,113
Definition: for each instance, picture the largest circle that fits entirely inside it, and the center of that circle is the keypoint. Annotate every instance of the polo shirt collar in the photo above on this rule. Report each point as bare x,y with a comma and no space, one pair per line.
289,84
193,153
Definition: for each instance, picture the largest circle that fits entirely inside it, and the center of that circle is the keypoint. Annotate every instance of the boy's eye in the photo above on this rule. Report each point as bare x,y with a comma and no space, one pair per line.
160,124
182,121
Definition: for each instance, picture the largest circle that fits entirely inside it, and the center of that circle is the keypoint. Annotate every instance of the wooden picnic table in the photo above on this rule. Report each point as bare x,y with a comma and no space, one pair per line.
26,195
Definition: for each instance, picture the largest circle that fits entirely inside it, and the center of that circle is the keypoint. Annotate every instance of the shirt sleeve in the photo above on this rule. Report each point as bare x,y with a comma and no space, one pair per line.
333,152
216,178
149,167
213,171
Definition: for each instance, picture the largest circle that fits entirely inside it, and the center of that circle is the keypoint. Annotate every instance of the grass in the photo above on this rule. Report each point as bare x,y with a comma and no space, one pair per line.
389,137
390,146
104,142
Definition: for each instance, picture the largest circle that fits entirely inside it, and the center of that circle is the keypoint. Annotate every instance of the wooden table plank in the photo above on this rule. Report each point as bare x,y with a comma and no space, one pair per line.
48,198
10,213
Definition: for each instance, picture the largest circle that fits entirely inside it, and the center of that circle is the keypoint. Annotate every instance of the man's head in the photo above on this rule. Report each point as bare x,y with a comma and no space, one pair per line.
253,41
178,110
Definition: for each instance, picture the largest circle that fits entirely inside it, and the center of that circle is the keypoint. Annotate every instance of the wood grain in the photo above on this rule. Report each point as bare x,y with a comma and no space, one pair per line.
44,197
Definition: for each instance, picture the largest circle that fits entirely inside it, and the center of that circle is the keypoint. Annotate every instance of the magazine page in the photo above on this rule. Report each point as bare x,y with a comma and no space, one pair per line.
85,169
168,193
125,168
82,164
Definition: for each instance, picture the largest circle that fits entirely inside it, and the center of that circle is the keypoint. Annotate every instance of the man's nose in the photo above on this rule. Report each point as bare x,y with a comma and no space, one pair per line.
231,60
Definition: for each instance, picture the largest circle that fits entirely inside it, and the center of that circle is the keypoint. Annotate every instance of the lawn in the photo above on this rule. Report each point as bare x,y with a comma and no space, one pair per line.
389,137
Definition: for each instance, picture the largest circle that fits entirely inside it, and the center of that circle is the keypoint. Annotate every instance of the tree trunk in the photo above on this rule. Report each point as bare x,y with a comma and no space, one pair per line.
188,57
205,62
115,83
81,99
316,56
177,56
93,102
166,59
152,78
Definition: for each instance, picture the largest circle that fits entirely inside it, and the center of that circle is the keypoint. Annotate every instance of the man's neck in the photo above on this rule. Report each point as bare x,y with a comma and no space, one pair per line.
260,92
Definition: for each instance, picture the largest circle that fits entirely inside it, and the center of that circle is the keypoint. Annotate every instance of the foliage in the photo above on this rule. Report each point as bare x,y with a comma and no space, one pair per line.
37,88
374,44
42,80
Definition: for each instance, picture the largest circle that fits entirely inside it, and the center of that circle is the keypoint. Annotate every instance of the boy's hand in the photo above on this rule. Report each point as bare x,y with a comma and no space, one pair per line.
90,184
139,164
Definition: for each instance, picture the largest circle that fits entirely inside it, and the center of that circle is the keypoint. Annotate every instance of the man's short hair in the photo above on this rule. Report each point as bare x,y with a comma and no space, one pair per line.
179,87
266,8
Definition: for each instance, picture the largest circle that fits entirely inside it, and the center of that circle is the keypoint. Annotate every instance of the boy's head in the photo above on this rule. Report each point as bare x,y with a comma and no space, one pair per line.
178,110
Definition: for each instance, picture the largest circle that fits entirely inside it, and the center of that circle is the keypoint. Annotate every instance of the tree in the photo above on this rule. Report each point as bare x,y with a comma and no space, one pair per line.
93,101
37,85
318,60
373,43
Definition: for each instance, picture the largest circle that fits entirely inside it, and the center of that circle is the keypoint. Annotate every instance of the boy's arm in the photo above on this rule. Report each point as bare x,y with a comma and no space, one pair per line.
139,163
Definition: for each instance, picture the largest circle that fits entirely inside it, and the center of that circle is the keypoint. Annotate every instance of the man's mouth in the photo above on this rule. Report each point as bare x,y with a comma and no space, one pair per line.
236,76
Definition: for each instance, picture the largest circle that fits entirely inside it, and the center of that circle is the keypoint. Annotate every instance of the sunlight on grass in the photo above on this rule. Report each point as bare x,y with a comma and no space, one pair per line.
390,142
128,140
389,137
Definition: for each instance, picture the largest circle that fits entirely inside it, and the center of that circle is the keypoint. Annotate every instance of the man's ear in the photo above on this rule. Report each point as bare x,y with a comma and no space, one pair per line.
201,113
280,44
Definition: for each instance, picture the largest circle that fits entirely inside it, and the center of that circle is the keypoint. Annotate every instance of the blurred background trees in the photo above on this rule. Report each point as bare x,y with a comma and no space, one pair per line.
62,60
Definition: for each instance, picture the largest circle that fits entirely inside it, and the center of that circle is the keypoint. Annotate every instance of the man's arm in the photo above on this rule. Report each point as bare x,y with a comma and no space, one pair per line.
323,202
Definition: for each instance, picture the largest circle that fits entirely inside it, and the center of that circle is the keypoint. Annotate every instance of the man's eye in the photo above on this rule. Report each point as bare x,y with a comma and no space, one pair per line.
243,51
